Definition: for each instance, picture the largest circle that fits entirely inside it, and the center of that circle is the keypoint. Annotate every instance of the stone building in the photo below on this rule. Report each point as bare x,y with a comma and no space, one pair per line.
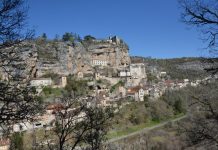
40,82
64,81
137,93
97,62
137,70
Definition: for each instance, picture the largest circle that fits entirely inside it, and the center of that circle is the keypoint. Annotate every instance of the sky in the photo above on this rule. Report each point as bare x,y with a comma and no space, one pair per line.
151,28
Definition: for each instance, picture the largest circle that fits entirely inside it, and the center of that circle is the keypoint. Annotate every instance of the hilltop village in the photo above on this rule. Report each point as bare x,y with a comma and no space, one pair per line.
97,72
106,67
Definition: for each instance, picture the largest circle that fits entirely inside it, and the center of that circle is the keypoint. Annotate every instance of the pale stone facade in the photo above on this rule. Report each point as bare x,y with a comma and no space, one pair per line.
124,74
96,62
64,81
41,82
141,94
138,70
80,75
137,93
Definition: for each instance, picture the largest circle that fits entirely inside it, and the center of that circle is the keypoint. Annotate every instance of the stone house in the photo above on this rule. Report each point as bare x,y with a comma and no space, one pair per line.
122,91
103,99
80,75
124,74
40,82
137,71
169,84
98,76
98,62
137,93
63,81
155,92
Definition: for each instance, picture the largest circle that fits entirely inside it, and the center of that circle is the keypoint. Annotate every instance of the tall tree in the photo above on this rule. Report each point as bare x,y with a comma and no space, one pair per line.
203,125
203,15
76,125
13,14
44,36
89,38
68,37
17,101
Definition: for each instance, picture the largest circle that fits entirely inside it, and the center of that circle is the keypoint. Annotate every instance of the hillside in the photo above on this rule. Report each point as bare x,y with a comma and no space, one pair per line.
177,68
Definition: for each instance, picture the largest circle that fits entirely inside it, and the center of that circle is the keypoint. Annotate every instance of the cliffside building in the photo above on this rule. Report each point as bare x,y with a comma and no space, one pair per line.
64,81
96,62
40,82
137,70
137,93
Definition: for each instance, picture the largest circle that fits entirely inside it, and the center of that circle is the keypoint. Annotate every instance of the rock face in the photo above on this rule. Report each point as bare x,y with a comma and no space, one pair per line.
64,58
18,62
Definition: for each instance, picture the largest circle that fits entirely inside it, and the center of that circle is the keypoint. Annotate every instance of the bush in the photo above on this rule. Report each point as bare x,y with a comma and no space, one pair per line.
160,111
115,86
89,38
79,87
68,37
48,91
55,77
177,99
134,119
178,107
17,141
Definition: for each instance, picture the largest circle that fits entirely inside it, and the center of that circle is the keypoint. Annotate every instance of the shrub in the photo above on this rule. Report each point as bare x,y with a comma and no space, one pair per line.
160,111
79,87
17,141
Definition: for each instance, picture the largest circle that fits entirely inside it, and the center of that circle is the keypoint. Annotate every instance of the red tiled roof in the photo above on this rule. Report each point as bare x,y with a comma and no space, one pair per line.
55,107
4,142
133,90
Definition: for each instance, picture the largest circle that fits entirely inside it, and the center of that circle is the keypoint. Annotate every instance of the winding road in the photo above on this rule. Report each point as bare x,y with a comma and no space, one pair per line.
145,130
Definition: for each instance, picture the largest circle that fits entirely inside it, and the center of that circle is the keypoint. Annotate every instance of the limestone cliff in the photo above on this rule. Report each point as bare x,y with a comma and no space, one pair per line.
65,58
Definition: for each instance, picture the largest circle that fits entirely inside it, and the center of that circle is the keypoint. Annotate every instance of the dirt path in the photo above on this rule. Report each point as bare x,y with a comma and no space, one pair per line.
145,130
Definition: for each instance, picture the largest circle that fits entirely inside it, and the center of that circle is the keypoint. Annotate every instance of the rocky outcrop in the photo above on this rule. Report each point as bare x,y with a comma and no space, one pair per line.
18,62
65,58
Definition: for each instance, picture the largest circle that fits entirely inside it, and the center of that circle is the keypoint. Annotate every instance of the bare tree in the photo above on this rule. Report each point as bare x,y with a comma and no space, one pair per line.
17,99
202,126
77,125
13,15
203,14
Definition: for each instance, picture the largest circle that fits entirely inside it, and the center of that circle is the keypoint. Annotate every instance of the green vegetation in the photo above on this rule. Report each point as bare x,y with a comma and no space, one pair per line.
47,50
28,138
131,129
151,78
52,92
68,37
115,86
78,87
138,115
89,38
44,36
177,99
17,141
55,77
176,68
